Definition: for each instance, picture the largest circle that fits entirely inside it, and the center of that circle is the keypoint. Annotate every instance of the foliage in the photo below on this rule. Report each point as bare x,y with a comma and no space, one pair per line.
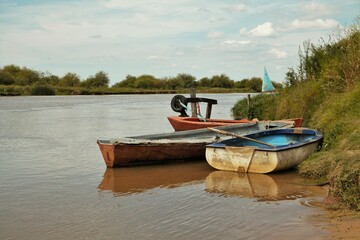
42,90
22,76
5,78
253,83
261,106
129,82
147,82
100,79
221,81
69,80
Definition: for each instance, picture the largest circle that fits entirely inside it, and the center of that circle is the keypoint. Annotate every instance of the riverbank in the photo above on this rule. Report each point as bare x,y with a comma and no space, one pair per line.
14,90
342,224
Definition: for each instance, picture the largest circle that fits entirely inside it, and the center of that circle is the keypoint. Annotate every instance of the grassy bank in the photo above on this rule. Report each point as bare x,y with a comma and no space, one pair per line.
326,93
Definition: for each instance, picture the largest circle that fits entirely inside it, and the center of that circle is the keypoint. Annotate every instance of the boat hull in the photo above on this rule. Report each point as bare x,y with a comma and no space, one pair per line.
260,160
191,123
119,155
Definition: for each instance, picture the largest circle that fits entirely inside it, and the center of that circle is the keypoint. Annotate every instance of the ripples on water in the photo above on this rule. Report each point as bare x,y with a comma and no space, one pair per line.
54,184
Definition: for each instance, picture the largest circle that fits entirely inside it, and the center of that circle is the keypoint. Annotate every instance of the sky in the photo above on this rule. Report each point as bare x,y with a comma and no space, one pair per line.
166,37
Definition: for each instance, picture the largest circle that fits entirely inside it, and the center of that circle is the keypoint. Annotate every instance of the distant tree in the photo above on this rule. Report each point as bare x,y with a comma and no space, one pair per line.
242,83
5,78
27,77
147,82
100,80
204,82
222,81
277,85
69,80
129,82
255,83
186,80
12,70
174,83
46,78
21,76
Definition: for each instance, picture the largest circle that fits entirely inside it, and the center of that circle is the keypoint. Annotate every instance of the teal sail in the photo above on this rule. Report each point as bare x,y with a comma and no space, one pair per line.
267,85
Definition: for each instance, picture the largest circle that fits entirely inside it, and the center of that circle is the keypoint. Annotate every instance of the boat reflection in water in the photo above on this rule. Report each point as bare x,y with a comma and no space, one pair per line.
270,187
129,180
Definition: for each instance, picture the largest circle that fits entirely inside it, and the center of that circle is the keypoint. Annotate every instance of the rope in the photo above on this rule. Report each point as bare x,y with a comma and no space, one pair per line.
188,109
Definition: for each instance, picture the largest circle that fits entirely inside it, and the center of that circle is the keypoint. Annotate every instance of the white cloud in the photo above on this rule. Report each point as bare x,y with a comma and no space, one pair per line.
278,53
243,31
194,33
235,42
236,8
263,30
155,57
314,24
215,34
317,9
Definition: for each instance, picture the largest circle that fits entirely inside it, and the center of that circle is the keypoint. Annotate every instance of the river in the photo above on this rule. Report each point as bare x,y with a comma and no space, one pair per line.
54,183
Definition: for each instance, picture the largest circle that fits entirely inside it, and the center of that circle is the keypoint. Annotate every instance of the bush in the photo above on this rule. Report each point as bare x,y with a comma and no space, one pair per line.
42,90
261,107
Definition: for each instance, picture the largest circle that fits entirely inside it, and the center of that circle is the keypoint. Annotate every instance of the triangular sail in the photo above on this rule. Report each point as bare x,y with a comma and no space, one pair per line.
267,85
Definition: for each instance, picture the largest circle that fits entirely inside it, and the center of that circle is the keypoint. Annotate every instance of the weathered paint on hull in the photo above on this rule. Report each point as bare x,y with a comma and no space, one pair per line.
191,123
118,155
249,159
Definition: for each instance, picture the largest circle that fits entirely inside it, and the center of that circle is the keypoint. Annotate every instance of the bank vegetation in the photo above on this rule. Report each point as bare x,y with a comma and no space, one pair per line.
16,80
324,90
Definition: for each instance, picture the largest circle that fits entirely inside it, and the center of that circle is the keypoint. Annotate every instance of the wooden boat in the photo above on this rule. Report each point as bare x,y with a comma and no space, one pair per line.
173,146
189,123
265,151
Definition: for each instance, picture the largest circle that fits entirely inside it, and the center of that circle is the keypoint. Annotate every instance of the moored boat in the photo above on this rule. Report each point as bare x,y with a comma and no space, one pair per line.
265,151
183,122
174,146
189,123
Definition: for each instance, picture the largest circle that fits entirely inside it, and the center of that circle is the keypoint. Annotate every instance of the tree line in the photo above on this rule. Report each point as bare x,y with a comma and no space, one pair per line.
23,76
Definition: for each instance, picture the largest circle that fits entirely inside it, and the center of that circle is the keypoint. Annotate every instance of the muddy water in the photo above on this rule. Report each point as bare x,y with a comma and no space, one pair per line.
54,184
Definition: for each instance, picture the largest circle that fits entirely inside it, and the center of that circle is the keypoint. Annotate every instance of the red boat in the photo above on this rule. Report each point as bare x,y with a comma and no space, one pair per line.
191,123
184,122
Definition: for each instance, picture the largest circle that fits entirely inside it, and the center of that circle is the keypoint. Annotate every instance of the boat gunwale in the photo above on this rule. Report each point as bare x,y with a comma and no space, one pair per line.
317,136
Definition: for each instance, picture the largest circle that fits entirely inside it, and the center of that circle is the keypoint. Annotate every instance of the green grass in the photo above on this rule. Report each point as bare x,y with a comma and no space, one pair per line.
337,115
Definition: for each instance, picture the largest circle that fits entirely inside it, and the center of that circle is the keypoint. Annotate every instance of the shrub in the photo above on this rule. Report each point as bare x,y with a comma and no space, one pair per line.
42,90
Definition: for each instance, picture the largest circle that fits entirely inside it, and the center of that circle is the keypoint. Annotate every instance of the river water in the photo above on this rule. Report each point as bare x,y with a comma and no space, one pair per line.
55,185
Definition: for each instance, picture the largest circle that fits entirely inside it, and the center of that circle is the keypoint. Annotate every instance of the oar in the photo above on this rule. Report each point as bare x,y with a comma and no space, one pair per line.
239,136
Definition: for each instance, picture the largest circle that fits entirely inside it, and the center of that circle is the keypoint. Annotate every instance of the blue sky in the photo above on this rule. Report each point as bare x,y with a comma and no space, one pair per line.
165,38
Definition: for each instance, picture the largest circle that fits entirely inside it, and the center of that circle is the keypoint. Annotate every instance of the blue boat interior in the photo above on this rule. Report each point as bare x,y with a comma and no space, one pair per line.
280,139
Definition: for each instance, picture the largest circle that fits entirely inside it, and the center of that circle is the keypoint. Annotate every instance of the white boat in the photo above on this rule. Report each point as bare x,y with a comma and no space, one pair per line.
265,151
